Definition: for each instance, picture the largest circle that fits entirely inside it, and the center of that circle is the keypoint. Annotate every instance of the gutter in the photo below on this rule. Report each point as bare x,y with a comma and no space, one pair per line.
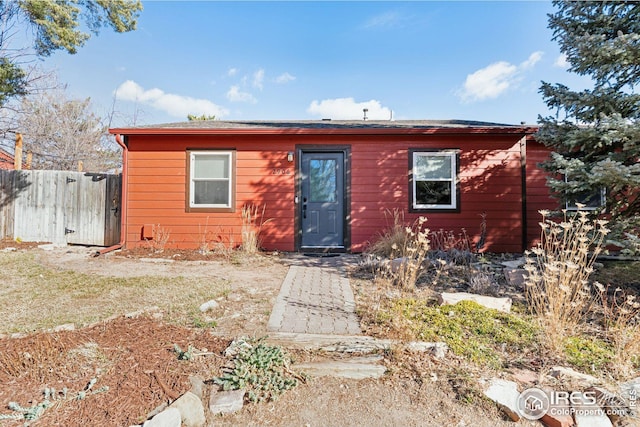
325,131
123,202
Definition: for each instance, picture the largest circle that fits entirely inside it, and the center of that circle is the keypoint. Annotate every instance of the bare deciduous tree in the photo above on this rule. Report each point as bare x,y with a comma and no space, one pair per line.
61,132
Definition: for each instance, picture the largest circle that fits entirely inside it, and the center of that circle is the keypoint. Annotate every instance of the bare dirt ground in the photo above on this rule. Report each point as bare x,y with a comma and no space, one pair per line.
134,357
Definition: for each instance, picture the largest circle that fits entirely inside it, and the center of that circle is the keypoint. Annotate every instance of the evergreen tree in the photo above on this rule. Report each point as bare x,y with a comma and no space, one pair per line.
595,134
55,25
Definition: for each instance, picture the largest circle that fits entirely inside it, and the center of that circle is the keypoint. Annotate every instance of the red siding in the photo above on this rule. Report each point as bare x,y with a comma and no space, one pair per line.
490,181
538,194
6,160
157,191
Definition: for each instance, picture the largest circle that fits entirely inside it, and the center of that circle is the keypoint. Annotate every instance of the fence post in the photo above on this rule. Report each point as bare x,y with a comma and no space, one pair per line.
17,158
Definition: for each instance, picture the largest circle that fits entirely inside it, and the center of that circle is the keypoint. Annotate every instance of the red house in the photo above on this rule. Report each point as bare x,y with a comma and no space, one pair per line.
6,160
326,185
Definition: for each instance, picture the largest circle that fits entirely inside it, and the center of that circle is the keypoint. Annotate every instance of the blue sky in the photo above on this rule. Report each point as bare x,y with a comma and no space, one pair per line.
311,60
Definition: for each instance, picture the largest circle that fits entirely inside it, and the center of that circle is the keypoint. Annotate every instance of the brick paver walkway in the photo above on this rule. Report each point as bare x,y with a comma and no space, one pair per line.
315,300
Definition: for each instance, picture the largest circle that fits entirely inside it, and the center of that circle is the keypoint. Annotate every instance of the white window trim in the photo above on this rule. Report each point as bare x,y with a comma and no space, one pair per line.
452,179
192,180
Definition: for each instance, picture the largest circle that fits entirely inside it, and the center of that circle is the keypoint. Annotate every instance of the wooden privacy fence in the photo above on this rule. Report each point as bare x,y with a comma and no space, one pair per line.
60,207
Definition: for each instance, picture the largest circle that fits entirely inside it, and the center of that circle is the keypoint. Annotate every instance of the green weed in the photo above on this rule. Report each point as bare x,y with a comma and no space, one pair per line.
588,353
477,333
261,369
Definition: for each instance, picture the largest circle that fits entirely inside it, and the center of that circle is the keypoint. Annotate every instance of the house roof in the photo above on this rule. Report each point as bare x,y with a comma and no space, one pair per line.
324,126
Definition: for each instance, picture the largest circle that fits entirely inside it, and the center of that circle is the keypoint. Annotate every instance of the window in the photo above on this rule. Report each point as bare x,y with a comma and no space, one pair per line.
433,180
591,200
211,175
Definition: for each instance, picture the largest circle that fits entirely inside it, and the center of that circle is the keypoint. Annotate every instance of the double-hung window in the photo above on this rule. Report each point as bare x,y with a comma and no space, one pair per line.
211,180
433,180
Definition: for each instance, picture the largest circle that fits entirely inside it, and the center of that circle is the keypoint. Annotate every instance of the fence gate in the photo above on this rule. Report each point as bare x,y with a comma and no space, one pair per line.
60,207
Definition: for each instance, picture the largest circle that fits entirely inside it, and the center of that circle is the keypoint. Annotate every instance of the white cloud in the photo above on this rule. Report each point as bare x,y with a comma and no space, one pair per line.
561,61
495,79
532,60
232,72
348,109
285,78
258,78
172,104
235,95
387,19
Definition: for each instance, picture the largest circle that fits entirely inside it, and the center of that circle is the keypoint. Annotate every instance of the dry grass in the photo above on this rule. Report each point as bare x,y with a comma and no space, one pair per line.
557,287
161,236
621,313
401,250
35,297
394,235
252,222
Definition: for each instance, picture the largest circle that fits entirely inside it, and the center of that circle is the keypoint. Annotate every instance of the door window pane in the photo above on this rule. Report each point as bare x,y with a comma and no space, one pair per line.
322,180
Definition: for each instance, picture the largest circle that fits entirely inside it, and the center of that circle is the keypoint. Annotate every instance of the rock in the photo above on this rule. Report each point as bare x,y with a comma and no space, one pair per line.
437,349
209,305
505,394
560,371
516,277
157,410
396,264
515,263
138,313
587,414
9,249
558,419
191,410
526,377
226,402
500,304
167,418
630,389
197,385
48,246
614,407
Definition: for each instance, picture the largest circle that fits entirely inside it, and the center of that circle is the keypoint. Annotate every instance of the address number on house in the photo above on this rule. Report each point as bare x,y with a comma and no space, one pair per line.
281,171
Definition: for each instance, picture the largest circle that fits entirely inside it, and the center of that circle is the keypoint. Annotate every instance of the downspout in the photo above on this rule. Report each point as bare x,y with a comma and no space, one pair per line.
123,202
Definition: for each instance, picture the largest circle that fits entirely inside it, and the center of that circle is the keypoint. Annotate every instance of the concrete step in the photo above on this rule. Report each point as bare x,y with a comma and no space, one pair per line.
324,342
355,368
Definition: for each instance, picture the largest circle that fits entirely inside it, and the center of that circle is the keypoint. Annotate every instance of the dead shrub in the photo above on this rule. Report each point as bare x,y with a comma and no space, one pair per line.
408,255
252,222
394,235
161,236
557,286
621,321
482,283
